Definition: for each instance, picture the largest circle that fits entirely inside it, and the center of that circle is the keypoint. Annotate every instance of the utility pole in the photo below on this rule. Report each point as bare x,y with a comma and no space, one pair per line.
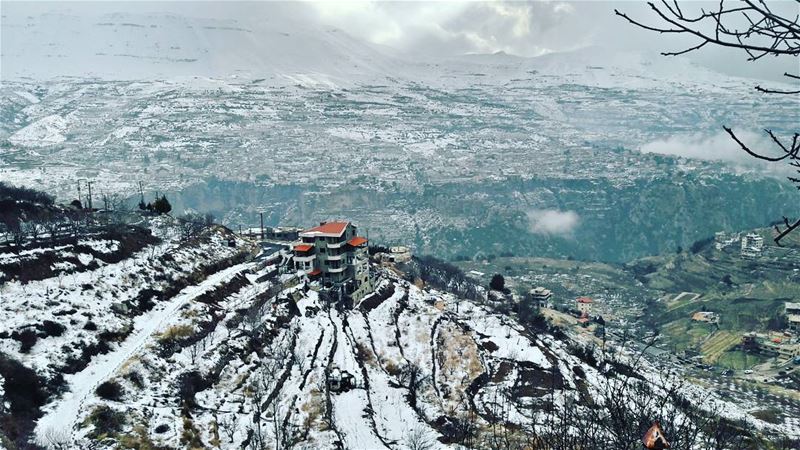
79,193
261,213
89,183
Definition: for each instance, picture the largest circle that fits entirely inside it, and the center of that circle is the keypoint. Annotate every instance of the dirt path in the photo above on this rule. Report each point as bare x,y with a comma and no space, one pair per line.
61,416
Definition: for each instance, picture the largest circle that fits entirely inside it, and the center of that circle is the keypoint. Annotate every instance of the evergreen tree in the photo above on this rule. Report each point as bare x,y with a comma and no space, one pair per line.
498,283
162,205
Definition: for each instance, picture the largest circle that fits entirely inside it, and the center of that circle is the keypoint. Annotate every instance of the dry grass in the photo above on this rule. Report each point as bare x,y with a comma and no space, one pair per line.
459,359
176,332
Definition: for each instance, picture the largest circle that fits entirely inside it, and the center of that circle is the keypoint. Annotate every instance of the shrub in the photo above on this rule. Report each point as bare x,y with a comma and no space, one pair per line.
106,421
770,415
163,428
189,384
110,390
50,328
24,390
91,326
27,338
135,378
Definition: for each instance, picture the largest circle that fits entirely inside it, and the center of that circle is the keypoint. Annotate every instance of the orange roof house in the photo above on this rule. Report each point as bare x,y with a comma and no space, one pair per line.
329,229
654,438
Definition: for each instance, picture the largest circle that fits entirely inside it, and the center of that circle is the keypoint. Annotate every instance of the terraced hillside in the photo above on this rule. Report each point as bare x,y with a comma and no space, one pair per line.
141,336
251,358
74,311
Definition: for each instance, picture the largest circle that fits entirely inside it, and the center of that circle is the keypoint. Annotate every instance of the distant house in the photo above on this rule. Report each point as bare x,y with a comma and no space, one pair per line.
282,233
584,305
340,380
792,311
654,438
752,245
540,296
705,316
770,346
334,254
400,254
723,239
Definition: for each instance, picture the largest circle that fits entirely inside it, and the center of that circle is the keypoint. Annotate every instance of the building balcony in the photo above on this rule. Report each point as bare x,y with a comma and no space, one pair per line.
336,269
305,258
336,257
335,244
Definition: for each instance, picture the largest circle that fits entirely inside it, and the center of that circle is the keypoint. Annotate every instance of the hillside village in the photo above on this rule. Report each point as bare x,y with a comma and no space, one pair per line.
308,338
725,310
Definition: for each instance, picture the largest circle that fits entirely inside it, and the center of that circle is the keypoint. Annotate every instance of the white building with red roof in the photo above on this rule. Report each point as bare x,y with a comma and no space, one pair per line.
584,305
336,255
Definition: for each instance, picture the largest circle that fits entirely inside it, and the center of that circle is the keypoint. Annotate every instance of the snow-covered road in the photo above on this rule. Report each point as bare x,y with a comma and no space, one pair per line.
60,416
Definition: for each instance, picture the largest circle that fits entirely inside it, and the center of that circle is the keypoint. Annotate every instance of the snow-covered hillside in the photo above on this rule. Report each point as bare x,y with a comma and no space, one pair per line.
199,344
75,311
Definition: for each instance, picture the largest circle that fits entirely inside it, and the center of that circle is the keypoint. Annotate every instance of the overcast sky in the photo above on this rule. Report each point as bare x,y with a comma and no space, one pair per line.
451,28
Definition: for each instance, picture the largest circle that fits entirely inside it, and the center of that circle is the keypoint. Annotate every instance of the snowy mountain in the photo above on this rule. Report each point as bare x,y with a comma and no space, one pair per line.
280,47
155,46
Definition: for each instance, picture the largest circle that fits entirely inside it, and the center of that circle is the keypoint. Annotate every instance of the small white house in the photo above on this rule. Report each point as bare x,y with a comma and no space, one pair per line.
752,245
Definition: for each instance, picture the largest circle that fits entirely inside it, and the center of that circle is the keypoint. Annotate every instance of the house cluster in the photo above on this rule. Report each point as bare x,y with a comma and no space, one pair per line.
780,346
751,244
335,255
723,240
705,316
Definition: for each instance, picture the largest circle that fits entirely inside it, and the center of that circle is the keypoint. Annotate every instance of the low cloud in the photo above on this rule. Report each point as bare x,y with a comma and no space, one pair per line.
717,147
553,222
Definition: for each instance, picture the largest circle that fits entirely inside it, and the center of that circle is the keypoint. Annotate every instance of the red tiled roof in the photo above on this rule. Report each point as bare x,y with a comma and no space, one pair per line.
303,247
654,438
336,228
356,241
314,272
584,300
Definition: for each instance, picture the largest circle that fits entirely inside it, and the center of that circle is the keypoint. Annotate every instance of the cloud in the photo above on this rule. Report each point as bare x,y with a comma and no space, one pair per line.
712,147
452,28
553,222
530,28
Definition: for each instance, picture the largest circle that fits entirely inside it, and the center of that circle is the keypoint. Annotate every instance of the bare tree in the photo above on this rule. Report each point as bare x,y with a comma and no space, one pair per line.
419,439
755,28
57,439
194,224
229,425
